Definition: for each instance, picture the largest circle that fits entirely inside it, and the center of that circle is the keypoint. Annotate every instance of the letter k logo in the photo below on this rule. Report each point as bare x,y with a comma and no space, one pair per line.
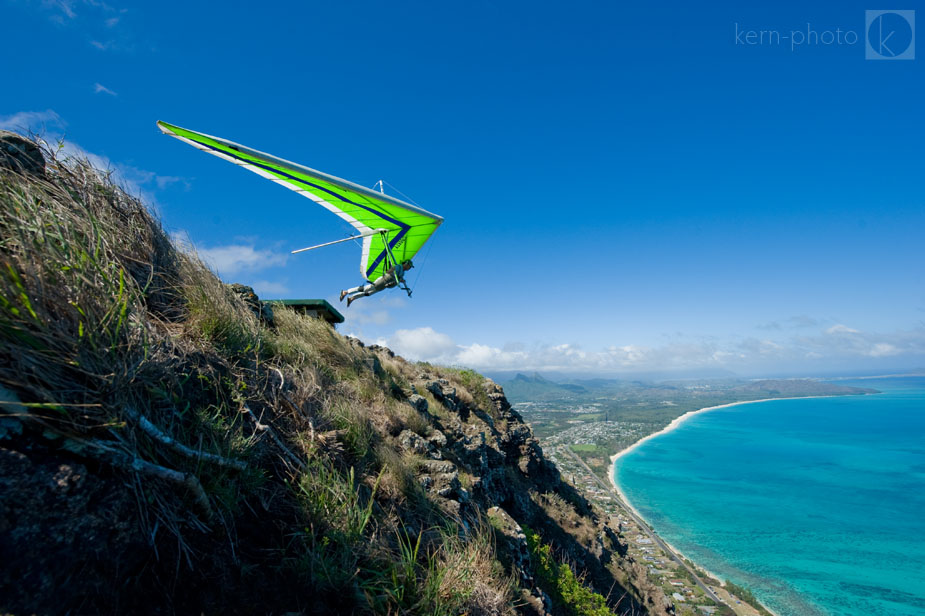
890,35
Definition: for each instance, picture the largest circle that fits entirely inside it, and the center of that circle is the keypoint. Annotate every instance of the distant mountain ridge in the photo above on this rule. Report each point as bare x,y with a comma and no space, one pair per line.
802,387
537,388
528,387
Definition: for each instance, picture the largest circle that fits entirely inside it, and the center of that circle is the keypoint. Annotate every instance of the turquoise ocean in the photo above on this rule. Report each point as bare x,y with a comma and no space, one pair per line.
817,505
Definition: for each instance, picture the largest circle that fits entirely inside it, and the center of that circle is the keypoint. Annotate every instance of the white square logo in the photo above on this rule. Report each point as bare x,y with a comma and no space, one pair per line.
890,35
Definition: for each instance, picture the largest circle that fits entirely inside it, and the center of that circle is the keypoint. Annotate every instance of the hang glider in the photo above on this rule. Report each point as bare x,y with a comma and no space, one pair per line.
392,230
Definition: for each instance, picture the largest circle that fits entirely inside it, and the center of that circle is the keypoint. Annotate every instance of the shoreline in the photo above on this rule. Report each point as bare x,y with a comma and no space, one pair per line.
677,421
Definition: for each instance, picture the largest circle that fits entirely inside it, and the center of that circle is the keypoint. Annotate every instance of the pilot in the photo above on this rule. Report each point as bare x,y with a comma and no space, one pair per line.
391,278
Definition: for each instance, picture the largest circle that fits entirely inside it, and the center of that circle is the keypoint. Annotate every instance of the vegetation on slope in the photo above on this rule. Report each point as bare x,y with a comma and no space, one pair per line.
562,583
166,449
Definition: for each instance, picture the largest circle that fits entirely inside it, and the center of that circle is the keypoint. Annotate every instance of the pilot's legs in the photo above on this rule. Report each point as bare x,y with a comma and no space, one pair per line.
372,288
358,289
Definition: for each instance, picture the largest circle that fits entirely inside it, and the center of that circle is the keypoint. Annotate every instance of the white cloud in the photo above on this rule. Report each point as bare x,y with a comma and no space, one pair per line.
61,8
369,313
240,259
802,320
99,88
100,23
372,317
422,343
267,287
841,342
31,121
822,350
794,322
883,349
66,9
484,355
237,258
134,180
757,347
163,181
50,128
841,329
366,317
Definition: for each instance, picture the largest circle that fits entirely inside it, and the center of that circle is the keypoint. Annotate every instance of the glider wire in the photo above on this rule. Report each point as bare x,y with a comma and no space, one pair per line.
430,244
409,199
417,278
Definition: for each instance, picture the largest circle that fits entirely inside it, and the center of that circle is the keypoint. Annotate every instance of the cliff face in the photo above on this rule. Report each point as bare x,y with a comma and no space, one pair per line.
165,448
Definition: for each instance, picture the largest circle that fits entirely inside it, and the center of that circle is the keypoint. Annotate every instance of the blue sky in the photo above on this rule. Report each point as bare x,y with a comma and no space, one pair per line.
625,188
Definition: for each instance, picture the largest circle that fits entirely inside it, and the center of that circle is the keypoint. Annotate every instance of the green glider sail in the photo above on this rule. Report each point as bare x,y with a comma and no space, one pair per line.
392,230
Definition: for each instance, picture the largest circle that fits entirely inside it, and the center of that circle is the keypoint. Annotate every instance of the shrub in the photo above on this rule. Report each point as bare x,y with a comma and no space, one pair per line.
561,583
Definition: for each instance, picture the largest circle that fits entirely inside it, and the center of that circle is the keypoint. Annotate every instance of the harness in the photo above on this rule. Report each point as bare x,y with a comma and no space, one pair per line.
391,258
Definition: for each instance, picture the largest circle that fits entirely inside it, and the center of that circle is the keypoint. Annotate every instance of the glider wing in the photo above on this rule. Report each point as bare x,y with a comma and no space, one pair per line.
407,226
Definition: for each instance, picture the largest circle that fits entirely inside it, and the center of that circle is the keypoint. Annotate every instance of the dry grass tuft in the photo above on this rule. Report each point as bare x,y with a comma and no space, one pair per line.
472,578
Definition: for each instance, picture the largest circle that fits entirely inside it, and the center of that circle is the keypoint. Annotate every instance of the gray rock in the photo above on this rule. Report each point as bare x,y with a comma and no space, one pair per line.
513,543
375,366
437,438
441,477
516,435
436,467
444,392
414,443
418,402
20,154
260,310
447,488
381,349
535,602
450,507
473,451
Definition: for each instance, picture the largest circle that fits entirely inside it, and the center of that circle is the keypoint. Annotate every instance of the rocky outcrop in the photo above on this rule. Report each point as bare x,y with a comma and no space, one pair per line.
20,154
418,402
516,554
479,458
261,310
515,543
444,393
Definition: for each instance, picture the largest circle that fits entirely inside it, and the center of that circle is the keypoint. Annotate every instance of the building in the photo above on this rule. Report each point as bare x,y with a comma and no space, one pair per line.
318,308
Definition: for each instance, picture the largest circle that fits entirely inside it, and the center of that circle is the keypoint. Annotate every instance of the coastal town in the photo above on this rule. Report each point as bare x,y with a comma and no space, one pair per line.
692,590
581,425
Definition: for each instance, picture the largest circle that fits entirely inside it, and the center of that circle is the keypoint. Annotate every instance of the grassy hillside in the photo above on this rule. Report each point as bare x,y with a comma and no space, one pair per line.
166,449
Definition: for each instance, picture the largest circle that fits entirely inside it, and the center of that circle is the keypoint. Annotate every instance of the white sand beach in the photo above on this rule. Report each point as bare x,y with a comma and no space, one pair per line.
671,426
677,421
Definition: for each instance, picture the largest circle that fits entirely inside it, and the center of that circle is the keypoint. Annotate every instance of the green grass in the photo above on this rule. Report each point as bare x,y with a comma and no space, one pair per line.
561,583
746,595
590,416
473,383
